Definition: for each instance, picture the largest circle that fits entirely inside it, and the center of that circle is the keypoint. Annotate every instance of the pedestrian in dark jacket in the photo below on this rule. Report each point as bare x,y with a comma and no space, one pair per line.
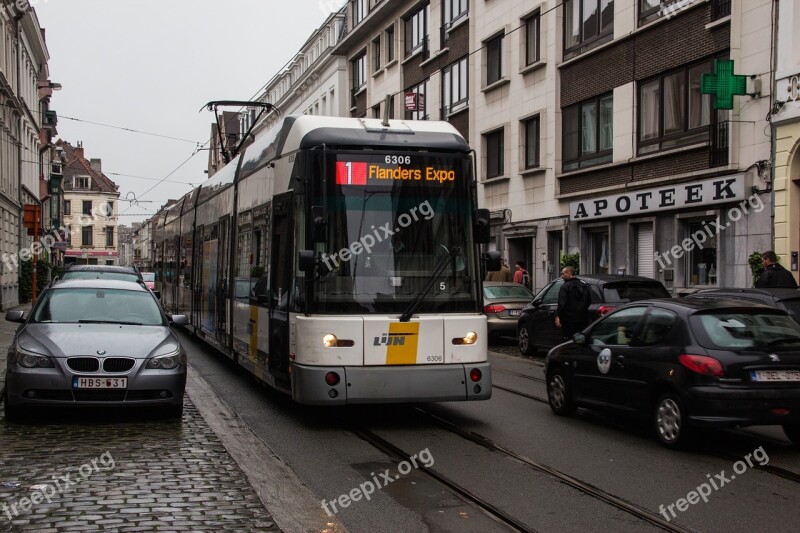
574,300
774,274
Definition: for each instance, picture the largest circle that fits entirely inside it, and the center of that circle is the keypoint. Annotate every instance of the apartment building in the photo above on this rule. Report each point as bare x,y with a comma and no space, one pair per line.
785,116
90,210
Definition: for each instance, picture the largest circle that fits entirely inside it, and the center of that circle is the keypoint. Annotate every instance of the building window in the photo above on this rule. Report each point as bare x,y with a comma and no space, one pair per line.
87,207
416,106
359,66
109,209
598,252
587,23
86,236
454,10
417,31
495,153
644,250
494,60
109,235
376,111
672,110
532,25
359,11
81,182
455,90
376,55
67,207
390,44
588,133
701,261
531,137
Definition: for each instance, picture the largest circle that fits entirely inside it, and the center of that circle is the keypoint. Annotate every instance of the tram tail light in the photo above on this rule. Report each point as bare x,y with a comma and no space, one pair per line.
332,378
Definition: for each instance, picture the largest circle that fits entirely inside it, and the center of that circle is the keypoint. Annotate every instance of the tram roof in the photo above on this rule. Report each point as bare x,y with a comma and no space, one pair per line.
297,132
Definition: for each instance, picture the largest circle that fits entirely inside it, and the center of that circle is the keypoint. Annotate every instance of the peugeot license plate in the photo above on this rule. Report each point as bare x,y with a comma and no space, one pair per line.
775,375
79,382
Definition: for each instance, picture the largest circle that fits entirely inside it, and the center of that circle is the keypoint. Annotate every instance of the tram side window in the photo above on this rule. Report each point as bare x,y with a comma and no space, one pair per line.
259,292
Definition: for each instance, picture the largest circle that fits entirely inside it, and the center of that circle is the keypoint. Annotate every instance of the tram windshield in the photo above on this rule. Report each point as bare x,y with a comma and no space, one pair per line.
391,219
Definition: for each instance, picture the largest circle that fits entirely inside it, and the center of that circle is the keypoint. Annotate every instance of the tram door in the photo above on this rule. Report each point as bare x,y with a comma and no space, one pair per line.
281,275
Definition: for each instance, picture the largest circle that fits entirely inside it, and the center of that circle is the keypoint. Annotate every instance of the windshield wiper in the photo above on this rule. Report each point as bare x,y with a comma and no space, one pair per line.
109,322
437,271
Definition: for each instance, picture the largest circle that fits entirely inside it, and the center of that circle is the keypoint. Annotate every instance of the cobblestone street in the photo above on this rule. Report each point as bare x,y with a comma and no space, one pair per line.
147,475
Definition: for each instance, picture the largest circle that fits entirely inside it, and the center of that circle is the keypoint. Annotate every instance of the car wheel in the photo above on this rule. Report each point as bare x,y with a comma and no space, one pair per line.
174,411
525,340
559,393
793,432
671,421
13,413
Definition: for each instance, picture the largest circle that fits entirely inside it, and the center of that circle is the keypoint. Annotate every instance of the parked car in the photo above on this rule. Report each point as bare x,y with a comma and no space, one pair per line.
102,272
149,279
95,342
536,326
786,299
502,303
684,363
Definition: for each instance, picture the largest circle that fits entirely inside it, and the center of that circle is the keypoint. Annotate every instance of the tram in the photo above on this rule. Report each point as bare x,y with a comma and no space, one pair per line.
337,259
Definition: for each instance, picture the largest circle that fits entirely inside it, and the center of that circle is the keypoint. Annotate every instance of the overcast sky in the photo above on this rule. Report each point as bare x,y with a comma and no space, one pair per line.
150,65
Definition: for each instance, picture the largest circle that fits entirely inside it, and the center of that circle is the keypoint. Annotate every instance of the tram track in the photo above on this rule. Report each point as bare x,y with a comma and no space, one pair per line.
518,374
492,511
586,488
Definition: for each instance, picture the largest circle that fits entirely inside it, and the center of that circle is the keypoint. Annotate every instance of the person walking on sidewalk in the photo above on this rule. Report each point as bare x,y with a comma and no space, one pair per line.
774,274
521,275
573,304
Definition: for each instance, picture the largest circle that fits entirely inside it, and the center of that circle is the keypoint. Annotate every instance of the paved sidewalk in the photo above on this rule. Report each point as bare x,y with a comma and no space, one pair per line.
83,470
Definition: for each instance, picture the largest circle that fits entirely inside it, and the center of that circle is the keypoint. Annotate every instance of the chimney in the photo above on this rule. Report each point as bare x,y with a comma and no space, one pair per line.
96,165
79,150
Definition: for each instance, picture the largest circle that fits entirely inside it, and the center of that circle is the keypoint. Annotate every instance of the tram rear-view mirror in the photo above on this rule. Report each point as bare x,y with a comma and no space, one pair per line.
320,222
492,261
306,261
481,227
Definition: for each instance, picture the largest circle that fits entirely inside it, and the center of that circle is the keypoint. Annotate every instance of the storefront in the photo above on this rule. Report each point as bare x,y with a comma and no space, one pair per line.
689,235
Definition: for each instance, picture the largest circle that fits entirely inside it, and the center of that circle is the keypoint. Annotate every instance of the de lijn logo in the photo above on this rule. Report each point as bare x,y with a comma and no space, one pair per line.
604,361
391,339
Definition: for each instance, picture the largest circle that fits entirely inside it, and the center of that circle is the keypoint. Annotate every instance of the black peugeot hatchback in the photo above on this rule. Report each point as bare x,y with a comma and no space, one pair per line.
684,363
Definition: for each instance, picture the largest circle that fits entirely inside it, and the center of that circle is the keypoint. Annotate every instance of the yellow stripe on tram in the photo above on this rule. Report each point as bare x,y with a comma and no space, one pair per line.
403,340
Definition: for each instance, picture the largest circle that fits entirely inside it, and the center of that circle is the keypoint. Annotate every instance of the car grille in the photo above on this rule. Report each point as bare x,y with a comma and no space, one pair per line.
83,364
118,364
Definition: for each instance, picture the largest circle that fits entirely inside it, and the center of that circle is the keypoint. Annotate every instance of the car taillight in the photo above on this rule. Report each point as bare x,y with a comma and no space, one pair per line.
494,309
603,309
702,364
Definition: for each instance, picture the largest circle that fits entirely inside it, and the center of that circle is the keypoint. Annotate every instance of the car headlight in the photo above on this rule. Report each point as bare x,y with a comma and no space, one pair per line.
167,361
28,359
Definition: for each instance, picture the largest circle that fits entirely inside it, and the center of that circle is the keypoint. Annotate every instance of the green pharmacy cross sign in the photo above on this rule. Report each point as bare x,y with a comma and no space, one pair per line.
723,84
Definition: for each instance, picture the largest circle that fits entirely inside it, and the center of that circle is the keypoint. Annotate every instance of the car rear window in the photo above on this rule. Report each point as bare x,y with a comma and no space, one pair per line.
631,291
727,329
507,291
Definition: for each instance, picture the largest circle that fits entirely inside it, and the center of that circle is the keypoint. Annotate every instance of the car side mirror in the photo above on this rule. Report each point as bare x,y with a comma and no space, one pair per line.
179,320
579,338
15,316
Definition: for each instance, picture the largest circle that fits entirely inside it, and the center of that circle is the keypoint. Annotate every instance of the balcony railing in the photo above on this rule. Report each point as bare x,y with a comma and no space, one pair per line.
720,149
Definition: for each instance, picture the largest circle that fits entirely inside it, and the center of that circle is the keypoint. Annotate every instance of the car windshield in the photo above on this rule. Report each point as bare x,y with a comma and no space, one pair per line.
99,274
148,276
632,291
507,291
98,306
735,330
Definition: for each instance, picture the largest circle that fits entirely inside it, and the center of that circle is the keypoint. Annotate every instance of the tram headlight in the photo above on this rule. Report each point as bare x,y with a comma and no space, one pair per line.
329,341
469,338
332,341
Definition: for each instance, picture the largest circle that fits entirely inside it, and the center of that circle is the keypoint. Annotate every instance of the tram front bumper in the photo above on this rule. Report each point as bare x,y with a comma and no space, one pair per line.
391,384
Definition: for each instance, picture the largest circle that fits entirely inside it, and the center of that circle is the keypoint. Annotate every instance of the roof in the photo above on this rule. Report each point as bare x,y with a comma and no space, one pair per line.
782,293
77,165
102,268
701,304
